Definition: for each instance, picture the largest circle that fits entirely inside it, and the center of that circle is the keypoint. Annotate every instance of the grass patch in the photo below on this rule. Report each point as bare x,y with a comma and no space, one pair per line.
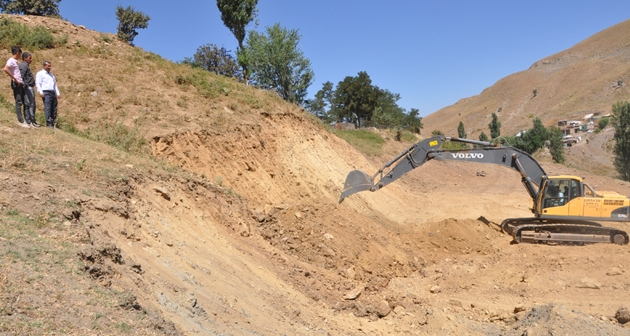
208,85
454,145
408,137
365,141
111,132
106,38
4,103
14,33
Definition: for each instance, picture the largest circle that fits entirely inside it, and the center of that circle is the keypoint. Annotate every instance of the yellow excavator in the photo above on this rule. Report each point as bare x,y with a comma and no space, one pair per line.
566,209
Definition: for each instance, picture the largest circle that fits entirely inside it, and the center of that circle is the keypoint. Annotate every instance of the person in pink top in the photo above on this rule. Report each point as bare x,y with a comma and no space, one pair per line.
17,84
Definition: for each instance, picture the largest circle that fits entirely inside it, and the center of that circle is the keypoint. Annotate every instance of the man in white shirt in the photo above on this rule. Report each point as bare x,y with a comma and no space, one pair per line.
17,84
46,84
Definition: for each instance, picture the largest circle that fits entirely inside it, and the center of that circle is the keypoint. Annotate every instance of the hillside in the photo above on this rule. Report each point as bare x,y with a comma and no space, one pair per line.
176,202
586,78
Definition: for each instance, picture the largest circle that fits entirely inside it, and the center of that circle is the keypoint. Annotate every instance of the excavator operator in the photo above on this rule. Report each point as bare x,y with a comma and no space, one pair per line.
554,196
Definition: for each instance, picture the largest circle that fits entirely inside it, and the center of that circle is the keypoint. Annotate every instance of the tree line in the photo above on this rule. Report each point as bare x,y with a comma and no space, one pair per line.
357,100
270,60
273,61
528,141
538,136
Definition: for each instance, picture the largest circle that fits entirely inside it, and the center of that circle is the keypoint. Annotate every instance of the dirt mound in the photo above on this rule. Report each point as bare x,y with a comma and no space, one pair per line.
454,236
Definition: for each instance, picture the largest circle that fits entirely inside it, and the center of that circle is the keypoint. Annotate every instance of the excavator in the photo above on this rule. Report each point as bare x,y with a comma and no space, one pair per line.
566,209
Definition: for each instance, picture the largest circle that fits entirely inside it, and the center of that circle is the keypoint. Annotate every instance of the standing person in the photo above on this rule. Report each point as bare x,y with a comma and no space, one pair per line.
17,84
46,84
29,86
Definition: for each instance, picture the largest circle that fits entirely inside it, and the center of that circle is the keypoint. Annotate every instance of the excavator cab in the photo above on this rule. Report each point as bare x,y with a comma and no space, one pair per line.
556,195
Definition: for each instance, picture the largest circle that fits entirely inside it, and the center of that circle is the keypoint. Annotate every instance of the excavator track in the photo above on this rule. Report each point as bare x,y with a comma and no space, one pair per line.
533,230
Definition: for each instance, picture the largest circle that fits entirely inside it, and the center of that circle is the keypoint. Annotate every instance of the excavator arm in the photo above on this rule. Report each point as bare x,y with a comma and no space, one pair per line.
532,174
543,228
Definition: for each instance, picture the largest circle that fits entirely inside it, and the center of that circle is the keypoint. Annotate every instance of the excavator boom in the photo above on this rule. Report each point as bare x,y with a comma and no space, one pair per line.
430,149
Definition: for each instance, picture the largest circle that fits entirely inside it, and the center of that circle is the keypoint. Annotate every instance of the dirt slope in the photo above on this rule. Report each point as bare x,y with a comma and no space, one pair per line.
229,224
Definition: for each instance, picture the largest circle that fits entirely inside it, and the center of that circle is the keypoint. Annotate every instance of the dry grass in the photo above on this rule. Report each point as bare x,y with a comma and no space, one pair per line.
122,95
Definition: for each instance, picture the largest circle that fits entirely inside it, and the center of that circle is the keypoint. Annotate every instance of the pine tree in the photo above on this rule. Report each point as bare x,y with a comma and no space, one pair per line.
556,146
236,15
621,123
461,131
495,126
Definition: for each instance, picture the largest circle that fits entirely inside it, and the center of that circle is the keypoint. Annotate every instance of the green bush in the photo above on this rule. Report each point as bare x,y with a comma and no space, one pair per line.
13,33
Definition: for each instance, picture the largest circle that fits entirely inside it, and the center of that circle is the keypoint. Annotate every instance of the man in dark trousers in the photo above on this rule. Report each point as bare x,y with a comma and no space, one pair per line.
29,89
46,84
17,84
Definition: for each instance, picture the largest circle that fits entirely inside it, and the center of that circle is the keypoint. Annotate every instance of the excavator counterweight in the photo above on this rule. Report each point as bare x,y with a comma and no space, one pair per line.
566,210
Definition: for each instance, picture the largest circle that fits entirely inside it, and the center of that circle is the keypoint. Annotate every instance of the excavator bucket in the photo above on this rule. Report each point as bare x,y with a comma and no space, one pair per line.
356,181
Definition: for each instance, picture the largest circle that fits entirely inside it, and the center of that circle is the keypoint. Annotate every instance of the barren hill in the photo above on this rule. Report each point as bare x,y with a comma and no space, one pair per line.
177,202
587,78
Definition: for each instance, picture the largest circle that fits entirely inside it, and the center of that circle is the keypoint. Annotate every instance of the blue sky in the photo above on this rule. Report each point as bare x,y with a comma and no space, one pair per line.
432,53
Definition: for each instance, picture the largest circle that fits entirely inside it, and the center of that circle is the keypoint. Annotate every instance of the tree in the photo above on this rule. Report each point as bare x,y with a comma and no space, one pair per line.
535,138
495,126
461,131
412,121
621,123
31,7
603,122
483,137
388,113
128,21
356,98
556,146
236,15
322,103
276,63
217,60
